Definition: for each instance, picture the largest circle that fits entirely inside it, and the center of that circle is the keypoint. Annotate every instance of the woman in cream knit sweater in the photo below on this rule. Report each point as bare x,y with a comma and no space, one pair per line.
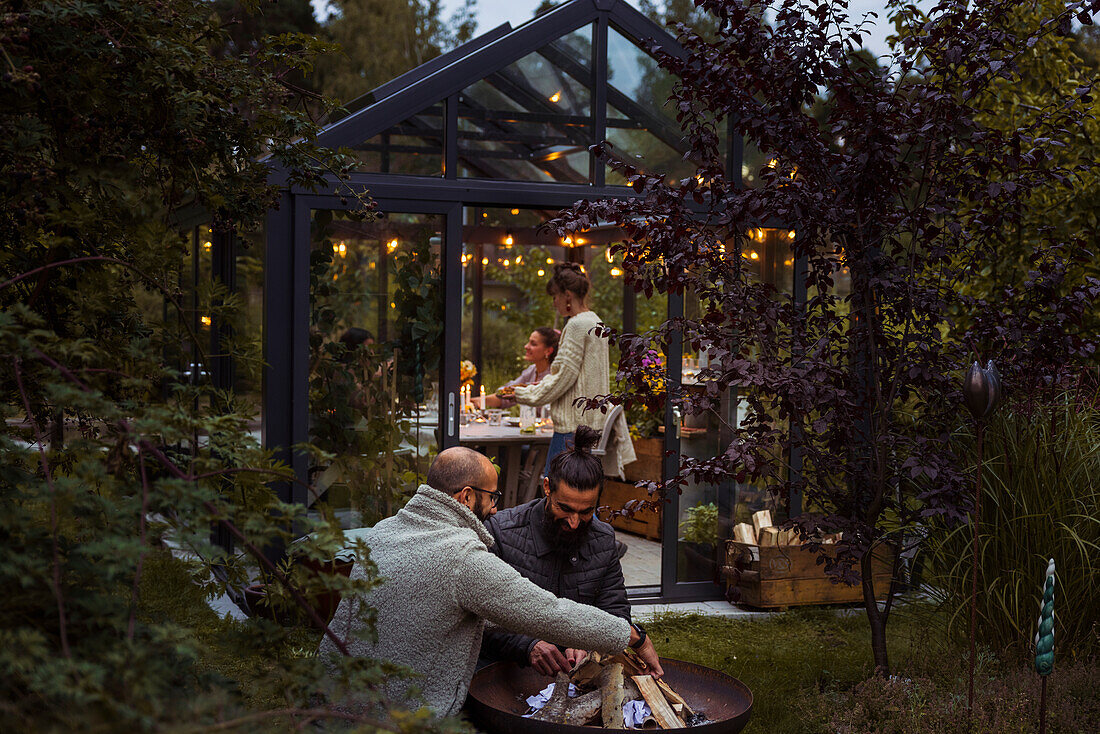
580,370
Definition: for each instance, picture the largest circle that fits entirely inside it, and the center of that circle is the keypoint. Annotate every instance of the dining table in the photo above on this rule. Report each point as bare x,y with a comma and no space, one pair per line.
519,473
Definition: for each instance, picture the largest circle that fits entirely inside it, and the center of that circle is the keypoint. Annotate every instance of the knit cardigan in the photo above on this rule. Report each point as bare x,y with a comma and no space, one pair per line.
440,585
580,370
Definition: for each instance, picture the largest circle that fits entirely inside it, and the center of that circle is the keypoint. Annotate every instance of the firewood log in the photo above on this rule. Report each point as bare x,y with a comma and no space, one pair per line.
611,689
743,533
762,519
769,536
664,714
554,710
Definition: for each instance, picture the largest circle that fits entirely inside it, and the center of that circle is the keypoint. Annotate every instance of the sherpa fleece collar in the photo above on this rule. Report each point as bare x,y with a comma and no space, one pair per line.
442,507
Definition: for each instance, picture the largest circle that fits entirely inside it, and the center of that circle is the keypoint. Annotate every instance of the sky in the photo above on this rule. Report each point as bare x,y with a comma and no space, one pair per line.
492,13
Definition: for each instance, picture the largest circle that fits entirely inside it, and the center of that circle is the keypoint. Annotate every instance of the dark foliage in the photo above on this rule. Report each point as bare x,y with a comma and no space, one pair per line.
894,185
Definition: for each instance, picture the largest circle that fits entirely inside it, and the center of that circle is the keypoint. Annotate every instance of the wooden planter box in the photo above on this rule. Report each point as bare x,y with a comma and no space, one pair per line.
788,576
646,523
650,452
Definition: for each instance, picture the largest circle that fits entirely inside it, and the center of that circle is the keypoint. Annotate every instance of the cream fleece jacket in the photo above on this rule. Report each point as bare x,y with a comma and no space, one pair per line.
440,586
580,370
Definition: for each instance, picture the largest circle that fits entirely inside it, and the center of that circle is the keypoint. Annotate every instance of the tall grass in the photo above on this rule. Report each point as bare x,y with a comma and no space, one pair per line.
1041,500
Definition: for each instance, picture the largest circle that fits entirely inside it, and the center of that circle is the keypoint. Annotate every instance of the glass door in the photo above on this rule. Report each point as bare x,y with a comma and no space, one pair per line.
375,344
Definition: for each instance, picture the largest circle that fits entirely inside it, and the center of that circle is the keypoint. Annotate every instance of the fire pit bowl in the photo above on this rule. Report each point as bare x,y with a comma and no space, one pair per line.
498,695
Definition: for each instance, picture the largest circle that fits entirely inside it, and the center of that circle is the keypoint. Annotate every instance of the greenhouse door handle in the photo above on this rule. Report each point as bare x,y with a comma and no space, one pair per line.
679,418
450,414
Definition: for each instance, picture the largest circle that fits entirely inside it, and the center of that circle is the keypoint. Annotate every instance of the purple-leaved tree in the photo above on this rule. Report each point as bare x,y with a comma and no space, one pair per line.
885,174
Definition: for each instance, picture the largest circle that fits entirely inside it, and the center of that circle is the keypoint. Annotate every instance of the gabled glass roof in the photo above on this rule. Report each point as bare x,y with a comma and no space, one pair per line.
526,103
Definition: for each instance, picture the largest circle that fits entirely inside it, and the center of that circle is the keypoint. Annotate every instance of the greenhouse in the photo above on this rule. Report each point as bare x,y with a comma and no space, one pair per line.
467,157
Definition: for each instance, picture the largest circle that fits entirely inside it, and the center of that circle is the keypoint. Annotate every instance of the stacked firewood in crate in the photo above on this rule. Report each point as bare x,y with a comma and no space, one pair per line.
770,568
763,533
604,688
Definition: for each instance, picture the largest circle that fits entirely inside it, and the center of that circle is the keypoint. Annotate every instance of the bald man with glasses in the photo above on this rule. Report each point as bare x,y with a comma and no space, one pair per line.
441,584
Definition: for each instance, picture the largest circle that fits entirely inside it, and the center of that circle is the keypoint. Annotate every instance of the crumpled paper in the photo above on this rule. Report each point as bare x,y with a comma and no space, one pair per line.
634,712
539,700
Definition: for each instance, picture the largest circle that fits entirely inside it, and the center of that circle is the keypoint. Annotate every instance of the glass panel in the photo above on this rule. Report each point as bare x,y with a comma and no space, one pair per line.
702,526
532,120
375,342
413,147
767,255
247,326
640,123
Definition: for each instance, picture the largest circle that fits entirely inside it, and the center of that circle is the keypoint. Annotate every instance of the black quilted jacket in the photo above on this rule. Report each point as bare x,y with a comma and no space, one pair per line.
592,575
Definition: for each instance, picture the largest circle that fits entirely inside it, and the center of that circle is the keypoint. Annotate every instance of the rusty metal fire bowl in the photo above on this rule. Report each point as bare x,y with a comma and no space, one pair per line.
498,695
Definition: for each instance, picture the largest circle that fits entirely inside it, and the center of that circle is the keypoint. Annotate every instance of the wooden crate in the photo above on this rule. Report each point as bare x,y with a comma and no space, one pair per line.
646,523
650,453
788,576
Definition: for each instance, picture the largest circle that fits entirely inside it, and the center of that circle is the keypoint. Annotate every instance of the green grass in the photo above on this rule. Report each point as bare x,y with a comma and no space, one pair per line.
785,660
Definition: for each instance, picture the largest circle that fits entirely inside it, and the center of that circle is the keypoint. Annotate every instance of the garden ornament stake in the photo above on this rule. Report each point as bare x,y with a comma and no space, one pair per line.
1044,642
981,392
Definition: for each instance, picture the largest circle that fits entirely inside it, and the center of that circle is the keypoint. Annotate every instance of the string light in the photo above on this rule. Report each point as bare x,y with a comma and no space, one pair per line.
519,259
541,272
393,305
555,97
508,240
484,261
506,262
549,261
465,258
567,241
753,255
207,245
790,234
515,212
616,272
206,320
391,245
607,255
580,241
371,265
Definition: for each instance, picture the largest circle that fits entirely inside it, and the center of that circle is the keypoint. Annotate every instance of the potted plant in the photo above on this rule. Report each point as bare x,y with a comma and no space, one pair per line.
698,538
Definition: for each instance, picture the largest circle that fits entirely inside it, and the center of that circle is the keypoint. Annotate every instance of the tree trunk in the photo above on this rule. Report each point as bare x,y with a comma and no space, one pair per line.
875,618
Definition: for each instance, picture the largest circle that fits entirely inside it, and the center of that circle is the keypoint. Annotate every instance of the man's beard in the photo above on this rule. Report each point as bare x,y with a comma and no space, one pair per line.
482,508
560,535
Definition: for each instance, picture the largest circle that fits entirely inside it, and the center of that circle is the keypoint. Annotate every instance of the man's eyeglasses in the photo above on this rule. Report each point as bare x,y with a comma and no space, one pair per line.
495,495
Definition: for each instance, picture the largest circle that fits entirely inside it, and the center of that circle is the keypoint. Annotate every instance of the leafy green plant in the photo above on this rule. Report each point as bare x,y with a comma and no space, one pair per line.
701,524
1041,499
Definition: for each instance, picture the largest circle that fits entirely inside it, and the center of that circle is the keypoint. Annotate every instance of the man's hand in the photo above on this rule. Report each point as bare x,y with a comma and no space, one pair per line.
574,657
648,653
548,660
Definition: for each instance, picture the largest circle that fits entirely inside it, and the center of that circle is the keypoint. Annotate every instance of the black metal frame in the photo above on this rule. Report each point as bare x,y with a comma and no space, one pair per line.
440,82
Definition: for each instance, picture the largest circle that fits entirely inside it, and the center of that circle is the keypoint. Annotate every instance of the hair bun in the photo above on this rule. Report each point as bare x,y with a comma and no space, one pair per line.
584,438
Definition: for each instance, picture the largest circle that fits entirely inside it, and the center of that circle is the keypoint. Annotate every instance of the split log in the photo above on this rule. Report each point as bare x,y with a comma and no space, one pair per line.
743,533
769,537
587,672
664,714
572,711
673,697
762,519
611,691
554,710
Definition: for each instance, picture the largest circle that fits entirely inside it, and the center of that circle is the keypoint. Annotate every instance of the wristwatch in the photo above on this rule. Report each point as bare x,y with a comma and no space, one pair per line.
641,636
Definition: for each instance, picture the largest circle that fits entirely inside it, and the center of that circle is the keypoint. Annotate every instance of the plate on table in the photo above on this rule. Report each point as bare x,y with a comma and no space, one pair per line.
511,421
